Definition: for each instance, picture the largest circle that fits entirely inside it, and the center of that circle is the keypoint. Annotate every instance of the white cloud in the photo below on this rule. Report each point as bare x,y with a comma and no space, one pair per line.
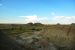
63,19
34,19
49,20
30,18
44,20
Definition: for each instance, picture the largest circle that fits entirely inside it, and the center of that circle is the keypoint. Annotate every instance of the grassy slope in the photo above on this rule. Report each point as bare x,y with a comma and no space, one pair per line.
61,35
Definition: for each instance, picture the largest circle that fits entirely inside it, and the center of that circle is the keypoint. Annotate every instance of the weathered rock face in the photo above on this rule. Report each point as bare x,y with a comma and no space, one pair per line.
35,42
6,43
43,44
31,42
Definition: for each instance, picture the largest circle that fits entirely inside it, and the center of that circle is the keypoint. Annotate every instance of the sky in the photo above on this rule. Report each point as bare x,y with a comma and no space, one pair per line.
43,11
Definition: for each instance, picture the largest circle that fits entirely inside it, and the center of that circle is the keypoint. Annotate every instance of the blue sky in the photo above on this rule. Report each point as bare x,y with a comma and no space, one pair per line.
44,11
